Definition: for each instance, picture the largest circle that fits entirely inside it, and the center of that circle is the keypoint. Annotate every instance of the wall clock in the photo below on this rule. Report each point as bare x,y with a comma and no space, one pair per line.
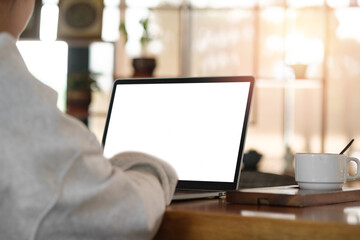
80,19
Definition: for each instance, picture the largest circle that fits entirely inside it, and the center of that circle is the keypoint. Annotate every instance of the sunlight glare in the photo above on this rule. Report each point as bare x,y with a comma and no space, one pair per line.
348,23
48,28
111,20
47,61
302,50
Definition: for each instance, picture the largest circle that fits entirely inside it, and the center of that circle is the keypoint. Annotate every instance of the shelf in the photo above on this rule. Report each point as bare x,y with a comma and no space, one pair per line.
300,83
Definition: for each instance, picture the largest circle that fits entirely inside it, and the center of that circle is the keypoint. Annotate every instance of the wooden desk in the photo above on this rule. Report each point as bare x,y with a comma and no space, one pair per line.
216,219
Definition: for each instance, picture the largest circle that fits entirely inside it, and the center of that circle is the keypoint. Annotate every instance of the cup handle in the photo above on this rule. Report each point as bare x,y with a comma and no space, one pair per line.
348,177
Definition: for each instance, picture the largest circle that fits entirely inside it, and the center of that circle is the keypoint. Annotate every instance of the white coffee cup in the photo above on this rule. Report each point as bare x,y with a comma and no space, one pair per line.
323,171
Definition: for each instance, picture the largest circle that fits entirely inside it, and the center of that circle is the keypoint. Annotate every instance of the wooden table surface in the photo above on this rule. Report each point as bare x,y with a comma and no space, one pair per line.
217,219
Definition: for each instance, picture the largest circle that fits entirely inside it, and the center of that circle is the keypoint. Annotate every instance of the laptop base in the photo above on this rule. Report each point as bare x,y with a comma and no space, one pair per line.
193,194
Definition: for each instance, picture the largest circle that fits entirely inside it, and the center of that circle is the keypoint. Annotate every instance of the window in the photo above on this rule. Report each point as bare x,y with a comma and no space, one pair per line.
272,39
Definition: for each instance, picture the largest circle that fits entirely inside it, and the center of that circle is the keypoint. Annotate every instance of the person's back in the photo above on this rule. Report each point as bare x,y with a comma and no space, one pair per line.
54,181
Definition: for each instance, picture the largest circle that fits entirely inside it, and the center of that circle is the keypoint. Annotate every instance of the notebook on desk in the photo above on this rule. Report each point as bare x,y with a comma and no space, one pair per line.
196,124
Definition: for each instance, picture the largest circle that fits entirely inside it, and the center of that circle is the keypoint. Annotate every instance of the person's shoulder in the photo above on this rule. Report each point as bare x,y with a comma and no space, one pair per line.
9,53
6,40
7,36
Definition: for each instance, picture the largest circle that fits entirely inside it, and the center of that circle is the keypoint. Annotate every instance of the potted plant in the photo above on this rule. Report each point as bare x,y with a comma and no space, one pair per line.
299,70
144,65
78,96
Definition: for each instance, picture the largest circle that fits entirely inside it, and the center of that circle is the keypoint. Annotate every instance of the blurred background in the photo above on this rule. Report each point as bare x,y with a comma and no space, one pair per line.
304,54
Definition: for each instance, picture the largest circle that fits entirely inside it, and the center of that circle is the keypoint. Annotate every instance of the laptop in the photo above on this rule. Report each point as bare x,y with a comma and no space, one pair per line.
197,124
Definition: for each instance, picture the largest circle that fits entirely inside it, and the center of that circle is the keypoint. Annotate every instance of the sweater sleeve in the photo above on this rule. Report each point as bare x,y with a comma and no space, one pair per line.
97,198
144,162
126,203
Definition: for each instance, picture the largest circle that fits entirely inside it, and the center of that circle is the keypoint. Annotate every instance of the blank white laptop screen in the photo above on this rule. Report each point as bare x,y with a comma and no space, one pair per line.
196,127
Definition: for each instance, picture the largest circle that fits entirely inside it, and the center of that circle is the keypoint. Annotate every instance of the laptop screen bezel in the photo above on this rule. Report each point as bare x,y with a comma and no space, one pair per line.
183,184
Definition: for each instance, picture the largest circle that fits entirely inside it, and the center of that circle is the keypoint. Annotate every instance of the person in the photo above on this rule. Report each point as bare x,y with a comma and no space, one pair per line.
54,181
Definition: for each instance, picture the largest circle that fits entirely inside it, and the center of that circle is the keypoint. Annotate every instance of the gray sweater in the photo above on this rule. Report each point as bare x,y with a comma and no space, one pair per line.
55,182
